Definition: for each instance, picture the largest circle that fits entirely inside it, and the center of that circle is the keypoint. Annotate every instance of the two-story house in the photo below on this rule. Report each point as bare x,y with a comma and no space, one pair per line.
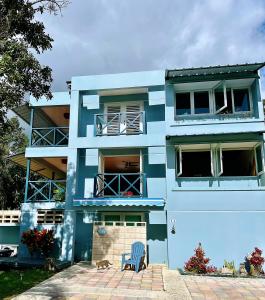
169,158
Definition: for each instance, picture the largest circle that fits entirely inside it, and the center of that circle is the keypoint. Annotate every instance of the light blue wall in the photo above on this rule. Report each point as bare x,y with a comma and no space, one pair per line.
227,215
225,235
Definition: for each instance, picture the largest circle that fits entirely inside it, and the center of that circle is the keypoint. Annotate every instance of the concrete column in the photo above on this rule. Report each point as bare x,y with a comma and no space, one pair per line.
68,238
69,227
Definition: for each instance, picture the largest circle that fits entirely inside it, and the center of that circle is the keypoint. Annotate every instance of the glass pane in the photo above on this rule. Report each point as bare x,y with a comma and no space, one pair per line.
132,218
219,102
201,103
112,218
183,104
241,100
259,159
196,164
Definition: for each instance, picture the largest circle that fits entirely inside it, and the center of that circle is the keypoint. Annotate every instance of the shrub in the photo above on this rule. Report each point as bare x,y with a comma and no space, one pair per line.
198,263
41,241
256,259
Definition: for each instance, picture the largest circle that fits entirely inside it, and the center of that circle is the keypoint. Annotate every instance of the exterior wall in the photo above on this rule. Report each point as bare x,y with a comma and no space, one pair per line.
29,221
225,214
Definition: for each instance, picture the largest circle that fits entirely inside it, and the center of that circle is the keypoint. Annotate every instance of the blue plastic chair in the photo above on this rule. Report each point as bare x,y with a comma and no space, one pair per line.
137,254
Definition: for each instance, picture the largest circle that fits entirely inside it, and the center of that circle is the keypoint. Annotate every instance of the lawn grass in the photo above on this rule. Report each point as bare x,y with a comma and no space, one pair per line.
14,282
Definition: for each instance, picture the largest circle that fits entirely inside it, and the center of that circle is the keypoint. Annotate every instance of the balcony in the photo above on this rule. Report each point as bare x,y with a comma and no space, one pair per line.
120,185
46,190
50,136
113,124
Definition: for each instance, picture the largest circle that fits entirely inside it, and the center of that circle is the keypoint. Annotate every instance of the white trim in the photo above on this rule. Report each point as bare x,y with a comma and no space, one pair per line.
212,103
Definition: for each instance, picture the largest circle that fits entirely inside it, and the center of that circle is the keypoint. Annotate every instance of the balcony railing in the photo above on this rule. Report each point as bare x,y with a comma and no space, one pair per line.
50,136
120,185
120,123
46,190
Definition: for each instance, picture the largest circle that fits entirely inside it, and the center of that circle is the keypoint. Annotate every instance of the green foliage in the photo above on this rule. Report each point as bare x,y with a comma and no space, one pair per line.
230,266
14,282
12,177
21,36
59,193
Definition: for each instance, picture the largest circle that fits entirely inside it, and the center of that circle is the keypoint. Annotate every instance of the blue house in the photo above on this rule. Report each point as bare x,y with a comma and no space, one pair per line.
170,158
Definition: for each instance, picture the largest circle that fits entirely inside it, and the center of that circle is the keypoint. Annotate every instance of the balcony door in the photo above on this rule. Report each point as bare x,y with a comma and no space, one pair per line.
123,118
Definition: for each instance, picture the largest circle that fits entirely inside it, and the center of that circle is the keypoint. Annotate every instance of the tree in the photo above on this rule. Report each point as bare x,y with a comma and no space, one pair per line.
21,35
12,176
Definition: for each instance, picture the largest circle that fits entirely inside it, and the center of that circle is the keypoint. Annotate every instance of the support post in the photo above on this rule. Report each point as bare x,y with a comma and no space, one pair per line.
31,125
27,180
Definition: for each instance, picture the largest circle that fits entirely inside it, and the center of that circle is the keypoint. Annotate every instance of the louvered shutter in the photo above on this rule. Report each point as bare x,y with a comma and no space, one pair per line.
133,119
113,119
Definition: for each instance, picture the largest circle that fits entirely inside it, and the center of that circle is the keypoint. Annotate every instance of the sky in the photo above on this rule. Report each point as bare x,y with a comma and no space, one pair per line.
113,36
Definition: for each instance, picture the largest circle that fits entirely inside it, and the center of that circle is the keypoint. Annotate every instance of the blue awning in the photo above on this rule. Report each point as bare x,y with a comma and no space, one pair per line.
120,202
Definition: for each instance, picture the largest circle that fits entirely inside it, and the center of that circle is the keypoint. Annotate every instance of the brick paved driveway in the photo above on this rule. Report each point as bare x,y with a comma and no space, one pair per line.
82,282
225,288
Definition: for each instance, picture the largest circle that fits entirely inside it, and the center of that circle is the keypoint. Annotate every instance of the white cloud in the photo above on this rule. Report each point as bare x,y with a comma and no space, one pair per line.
109,36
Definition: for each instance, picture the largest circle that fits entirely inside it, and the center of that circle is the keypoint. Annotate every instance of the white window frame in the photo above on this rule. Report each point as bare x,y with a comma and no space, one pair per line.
216,151
261,145
212,103
178,160
249,97
218,112
192,103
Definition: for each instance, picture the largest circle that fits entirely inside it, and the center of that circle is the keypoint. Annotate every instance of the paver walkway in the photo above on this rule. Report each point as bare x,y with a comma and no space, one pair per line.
83,282
225,288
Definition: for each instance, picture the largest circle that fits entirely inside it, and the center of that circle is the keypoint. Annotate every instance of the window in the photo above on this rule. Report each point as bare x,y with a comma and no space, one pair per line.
241,100
183,105
239,163
194,163
220,160
219,100
201,103
192,103
229,101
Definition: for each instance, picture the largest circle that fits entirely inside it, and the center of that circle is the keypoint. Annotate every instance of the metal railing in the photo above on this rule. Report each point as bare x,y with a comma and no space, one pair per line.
50,136
120,185
120,123
46,190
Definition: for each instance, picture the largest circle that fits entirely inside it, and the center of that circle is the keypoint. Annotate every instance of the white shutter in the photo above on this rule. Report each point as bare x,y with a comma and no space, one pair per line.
133,118
113,119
